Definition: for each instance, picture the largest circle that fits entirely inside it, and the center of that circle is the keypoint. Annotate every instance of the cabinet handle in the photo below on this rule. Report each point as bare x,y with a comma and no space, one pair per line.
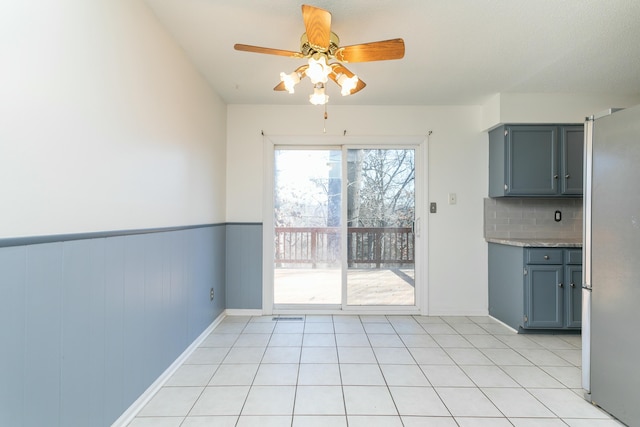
567,176
560,285
573,285
546,257
555,176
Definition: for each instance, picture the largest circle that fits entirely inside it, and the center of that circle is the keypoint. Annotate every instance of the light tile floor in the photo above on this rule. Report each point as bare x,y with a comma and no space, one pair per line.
375,371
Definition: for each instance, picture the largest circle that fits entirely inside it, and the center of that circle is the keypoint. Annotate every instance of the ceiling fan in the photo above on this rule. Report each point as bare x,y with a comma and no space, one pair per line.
320,45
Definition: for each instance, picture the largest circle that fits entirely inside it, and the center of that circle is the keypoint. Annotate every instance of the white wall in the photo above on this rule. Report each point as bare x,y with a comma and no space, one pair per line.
549,107
104,123
458,150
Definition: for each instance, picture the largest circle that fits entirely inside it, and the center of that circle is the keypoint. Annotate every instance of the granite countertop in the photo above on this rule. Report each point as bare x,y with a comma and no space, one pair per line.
539,243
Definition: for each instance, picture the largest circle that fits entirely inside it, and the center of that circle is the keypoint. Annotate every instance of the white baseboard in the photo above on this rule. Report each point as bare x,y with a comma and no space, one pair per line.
243,312
466,313
128,415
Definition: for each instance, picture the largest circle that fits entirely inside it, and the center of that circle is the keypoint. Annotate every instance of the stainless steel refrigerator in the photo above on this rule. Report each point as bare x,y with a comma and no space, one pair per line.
611,288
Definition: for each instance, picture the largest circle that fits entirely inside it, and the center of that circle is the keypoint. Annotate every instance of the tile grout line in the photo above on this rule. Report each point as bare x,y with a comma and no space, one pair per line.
397,327
212,375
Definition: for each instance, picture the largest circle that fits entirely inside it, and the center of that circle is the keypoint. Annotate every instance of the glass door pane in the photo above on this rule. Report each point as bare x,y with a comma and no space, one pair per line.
380,221
307,226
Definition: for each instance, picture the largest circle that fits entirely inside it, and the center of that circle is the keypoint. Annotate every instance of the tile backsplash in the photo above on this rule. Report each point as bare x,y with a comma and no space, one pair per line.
532,218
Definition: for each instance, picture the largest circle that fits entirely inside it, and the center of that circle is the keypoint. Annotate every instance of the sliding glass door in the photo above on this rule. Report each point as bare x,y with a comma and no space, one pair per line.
307,227
344,243
380,234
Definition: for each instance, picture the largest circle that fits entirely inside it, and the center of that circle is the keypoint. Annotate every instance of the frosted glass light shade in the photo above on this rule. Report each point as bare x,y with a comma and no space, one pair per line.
290,81
318,97
318,70
347,84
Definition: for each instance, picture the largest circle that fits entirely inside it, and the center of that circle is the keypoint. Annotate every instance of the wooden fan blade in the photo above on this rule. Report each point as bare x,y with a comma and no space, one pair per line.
318,25
267,50
374,51
280,86
341,69
359,86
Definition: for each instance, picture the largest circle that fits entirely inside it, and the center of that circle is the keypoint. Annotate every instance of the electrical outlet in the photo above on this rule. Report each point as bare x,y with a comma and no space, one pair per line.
211,295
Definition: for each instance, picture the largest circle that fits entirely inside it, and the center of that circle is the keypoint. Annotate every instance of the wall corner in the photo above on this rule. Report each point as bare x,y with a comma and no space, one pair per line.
491,112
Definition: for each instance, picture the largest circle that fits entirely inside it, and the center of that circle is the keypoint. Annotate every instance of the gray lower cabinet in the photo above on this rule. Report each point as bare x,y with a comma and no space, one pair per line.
573,295
543,294
535,288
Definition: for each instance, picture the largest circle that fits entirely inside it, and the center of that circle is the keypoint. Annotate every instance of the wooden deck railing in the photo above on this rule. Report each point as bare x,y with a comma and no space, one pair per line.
388,246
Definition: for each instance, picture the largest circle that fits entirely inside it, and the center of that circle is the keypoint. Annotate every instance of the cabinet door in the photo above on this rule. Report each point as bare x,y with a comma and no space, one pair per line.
571,147
573,296
532,160
544,296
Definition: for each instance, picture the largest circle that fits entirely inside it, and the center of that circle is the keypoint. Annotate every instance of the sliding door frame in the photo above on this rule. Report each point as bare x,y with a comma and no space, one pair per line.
344,143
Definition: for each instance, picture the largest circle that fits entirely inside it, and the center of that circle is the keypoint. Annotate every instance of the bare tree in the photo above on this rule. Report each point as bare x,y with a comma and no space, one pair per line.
381,193
380,204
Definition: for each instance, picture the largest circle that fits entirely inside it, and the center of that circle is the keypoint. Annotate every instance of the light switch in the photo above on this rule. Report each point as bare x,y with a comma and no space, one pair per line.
453,198
433,208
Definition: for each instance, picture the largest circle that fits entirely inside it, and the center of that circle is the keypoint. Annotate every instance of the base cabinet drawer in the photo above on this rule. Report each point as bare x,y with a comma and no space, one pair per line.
543,256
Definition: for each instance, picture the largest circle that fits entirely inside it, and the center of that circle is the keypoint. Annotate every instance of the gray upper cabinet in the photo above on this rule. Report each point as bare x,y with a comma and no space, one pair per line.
572,157
536,160
531,160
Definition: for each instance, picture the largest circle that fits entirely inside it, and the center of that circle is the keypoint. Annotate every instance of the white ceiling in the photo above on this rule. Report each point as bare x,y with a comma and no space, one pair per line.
458,52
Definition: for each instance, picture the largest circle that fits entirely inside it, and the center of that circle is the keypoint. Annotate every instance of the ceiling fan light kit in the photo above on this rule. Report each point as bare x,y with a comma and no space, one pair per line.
318,97
348,84
290,80
320,45
318,70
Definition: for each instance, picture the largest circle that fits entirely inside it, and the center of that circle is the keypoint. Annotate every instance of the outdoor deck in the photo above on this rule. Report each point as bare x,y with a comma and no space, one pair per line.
384,286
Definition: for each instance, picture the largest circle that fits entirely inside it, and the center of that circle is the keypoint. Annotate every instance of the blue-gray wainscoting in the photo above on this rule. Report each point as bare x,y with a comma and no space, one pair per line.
244,266
86,326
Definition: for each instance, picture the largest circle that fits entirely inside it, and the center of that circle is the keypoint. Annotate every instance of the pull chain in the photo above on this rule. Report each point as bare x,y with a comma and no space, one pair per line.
324,127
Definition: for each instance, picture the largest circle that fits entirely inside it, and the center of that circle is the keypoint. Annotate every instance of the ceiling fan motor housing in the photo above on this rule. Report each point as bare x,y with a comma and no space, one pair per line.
308,50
